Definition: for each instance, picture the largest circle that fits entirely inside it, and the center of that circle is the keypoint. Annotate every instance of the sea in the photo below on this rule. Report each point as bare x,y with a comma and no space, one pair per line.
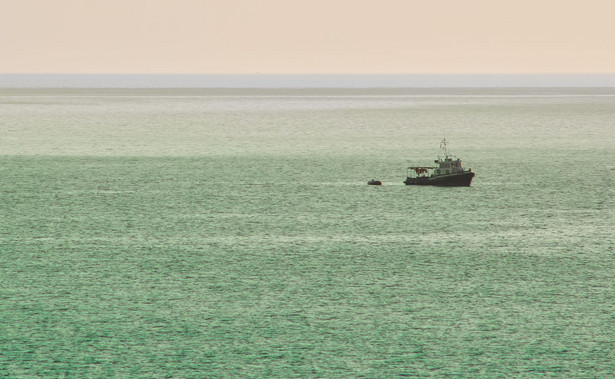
228,232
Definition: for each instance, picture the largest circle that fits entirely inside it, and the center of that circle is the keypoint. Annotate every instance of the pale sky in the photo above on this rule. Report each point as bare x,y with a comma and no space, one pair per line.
307,36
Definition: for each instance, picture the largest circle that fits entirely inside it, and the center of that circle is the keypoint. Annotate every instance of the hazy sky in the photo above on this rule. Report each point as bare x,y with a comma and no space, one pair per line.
307,36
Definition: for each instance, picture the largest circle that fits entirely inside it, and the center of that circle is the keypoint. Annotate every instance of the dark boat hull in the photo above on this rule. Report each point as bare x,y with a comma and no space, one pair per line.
452,180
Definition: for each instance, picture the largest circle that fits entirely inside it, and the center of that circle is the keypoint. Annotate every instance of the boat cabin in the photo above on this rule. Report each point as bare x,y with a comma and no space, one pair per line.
448,166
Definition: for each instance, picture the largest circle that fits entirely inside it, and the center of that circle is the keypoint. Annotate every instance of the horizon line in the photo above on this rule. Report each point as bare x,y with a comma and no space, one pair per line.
303,80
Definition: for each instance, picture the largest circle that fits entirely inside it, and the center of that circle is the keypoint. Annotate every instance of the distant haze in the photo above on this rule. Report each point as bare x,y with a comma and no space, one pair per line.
307,37
301,81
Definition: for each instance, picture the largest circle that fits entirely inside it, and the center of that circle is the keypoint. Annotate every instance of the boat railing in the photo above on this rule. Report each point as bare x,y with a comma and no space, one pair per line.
419,170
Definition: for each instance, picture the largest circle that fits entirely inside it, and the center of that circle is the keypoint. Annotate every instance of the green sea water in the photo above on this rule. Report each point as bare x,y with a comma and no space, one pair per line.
232,233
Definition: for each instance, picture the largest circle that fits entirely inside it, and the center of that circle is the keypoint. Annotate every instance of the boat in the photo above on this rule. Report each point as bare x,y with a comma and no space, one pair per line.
449,172
374,182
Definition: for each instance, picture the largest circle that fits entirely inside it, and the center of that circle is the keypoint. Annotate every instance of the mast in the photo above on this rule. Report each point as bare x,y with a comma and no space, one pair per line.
444,146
